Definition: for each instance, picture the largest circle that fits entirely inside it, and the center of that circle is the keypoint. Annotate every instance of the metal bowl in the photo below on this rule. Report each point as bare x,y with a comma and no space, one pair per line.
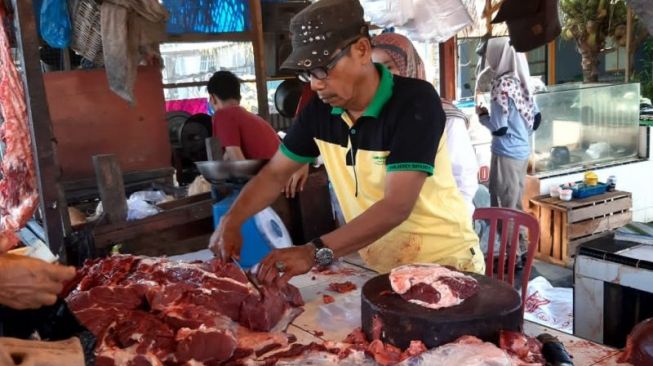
219,171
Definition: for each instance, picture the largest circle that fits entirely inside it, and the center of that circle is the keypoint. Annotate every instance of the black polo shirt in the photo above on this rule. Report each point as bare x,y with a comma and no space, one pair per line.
401,130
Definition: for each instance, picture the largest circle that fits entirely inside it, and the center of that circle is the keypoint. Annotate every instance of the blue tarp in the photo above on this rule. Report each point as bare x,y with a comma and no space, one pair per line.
207,16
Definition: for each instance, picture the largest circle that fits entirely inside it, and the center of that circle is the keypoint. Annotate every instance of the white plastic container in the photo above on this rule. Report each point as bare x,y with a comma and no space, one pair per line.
554,190
565,194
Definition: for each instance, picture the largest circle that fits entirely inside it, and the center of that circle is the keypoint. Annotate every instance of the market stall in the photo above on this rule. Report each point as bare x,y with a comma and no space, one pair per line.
195,309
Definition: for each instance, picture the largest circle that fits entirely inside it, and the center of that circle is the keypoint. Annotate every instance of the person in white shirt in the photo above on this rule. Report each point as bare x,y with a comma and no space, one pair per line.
398,54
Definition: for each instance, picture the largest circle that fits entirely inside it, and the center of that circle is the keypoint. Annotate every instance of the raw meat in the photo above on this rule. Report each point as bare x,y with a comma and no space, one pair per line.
432,285
341,287
328,299
639,345
523,349
155,311
466,351
383,353
18,190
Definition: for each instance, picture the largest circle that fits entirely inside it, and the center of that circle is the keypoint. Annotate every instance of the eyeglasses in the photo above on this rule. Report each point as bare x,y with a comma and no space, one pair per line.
322,72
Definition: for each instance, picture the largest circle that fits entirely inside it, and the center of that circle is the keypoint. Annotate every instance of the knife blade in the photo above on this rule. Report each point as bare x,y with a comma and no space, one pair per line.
250,276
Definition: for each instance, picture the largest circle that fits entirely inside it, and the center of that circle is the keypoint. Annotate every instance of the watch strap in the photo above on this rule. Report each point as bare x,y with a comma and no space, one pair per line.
318,243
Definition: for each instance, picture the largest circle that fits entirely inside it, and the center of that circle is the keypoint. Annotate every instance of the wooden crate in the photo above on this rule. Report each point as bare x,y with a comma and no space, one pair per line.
565,225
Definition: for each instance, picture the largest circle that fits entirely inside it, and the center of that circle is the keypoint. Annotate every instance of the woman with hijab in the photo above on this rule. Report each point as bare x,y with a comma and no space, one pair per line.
398,54
512,118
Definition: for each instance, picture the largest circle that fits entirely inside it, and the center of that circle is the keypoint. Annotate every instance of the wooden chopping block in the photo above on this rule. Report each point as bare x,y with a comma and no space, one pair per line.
38,353
496,306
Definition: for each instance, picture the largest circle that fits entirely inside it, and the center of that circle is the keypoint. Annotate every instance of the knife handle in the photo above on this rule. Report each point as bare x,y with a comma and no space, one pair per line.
554,351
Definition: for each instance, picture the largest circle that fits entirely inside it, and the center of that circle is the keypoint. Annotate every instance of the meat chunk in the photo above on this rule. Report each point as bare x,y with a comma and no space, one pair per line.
526,350
432,286
147,311
205,344
639,345
328,299
383,353
342,287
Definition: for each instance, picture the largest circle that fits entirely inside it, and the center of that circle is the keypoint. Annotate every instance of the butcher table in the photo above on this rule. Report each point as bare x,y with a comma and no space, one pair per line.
333,321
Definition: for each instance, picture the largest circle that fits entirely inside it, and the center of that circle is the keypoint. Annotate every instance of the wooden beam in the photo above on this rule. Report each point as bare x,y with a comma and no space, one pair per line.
52,200
107,235
112,190
551,63
448,62
256,20
208,37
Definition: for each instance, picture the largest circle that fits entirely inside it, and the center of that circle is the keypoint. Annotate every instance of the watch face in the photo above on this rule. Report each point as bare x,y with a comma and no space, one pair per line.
324,256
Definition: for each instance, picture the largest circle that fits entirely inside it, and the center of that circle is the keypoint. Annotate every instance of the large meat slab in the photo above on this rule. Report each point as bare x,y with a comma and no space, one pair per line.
147,311
18,192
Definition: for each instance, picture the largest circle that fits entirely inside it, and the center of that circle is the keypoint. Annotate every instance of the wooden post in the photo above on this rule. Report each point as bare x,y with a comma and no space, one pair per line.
551,63
213,149
256,19
629,40
48,172
487,14
111,187
448,58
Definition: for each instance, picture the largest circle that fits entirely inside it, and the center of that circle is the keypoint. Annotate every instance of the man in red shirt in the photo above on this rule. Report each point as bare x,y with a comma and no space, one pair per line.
242,134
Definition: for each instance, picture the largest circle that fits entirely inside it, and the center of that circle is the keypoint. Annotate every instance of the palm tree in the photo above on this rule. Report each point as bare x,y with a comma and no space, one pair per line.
590,23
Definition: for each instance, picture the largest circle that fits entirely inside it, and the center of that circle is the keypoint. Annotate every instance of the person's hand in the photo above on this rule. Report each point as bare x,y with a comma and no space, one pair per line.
38,353
283,264
296,182
29,283
481,111
226,241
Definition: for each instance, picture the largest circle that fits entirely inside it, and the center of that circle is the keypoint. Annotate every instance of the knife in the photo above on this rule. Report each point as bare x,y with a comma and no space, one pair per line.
250,276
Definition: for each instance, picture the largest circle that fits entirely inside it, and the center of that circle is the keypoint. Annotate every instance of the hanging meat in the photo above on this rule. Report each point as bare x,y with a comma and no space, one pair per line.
18,191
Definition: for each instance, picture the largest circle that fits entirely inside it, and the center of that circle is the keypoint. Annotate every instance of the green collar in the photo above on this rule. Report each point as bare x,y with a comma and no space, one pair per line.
381,97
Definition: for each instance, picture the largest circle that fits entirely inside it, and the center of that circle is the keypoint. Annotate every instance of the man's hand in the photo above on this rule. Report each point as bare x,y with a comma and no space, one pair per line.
283,264
296,182
481,111
226,240
37,353
29,283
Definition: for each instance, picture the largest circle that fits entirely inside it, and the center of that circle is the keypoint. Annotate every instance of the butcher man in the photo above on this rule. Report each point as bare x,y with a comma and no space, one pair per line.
381,139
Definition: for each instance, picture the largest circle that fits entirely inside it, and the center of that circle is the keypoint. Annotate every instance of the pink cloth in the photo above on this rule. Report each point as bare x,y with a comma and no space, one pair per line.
192,106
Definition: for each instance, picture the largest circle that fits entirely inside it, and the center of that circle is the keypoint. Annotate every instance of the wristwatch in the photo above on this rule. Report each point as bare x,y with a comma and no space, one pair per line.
323,255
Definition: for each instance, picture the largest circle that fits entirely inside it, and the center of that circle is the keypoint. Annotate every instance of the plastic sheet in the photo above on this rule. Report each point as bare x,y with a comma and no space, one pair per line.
138,209
55,23
550,306
389,13
436,20
336,315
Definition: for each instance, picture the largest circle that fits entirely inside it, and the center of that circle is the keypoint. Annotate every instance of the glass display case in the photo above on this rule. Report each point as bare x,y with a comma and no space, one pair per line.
584,126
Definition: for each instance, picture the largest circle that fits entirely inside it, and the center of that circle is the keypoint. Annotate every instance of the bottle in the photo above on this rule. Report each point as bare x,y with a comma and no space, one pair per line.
612,183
